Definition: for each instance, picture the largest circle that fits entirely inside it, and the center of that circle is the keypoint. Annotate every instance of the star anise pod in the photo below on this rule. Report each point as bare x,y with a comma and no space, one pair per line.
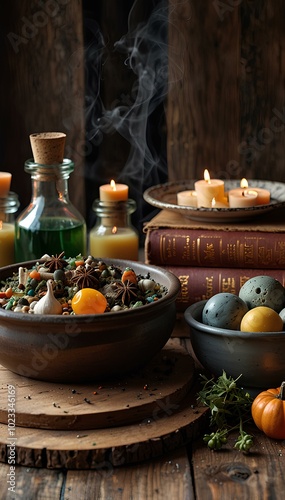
85,277
55,262
125,292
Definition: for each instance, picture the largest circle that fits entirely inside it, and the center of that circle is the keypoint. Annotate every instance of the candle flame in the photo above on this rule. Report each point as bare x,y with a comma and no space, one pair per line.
114,230
113,185
1,225
249,192
243,183
213,202
207,177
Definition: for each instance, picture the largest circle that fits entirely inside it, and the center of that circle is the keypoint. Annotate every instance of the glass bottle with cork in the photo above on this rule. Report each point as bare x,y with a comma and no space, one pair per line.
113,235
50,224
9,205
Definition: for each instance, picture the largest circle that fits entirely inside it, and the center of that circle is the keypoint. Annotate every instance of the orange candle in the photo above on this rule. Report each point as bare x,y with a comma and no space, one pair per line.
263,195
187,198
114,192
5,182
208,189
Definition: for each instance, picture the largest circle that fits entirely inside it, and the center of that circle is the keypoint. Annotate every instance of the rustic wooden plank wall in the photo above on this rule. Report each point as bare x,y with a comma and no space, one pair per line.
226,102
127,143
225,106
42,85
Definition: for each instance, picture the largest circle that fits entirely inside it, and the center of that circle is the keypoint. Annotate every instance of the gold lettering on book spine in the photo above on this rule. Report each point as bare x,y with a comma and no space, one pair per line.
167,247
248,254
209,253
228,285
209,288
184,290
186,254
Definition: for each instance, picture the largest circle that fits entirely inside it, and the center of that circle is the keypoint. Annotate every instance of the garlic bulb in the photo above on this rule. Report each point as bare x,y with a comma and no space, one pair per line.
48,304
146,285
23,276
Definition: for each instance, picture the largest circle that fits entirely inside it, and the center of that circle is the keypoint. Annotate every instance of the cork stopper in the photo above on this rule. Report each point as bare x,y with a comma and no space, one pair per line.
48,147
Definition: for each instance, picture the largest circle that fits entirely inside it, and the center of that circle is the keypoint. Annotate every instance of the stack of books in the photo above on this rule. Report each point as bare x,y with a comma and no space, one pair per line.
214,257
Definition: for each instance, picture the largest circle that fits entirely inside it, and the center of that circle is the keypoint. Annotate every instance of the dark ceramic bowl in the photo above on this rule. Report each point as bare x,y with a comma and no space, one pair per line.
259,357
88,347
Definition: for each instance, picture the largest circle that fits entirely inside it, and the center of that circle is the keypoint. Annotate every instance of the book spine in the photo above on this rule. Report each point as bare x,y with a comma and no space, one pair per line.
199,283
192,247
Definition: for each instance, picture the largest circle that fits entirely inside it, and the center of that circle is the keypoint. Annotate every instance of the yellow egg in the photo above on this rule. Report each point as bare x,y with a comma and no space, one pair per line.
88,301
261,319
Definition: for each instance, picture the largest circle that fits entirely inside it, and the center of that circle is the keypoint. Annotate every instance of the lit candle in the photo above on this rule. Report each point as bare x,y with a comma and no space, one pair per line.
241,198
114,192
187,198
208,189
119,243
5,182
113,235
7,234
263,196
219,204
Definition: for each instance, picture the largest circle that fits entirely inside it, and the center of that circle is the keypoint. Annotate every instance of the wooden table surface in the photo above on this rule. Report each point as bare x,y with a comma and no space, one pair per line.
190,472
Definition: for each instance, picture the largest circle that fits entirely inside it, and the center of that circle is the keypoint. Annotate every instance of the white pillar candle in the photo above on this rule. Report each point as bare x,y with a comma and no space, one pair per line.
241,198
263,195
114,192
208,189
187,198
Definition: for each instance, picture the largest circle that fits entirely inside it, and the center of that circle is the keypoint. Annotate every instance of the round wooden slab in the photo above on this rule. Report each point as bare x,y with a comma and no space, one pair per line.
106,448
165,380
134,419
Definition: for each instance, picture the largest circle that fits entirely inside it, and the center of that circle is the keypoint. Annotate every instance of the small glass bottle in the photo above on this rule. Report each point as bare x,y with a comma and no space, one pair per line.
113,236
8,208
50,224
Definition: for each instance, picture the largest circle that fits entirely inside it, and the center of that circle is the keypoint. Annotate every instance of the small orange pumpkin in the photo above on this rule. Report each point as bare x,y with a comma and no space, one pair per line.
129,275
268,412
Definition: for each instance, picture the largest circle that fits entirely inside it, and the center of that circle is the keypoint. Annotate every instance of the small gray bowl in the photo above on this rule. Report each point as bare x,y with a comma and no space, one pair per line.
258,356
88,347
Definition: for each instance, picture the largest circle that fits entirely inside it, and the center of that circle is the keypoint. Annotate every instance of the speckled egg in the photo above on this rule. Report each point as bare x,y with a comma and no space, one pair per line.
263,291
224,310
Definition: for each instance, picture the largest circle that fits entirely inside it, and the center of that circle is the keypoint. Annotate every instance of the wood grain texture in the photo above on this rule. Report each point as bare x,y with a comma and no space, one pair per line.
262,93
32,484
42,87
177,474
165,428
168,477
232,474
89,449
163,383
185,472
226,89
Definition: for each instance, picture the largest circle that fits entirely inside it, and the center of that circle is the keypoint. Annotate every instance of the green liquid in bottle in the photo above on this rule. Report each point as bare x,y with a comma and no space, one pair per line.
53,237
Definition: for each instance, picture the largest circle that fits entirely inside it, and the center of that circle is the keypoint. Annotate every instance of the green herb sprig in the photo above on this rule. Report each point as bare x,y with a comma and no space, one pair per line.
229,409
